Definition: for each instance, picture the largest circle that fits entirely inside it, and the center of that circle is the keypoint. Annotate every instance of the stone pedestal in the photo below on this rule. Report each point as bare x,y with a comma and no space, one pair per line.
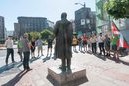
74,77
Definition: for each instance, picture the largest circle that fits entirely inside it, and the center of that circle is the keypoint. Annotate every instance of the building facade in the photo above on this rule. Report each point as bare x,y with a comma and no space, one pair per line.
85,21
93,21
17,30
103,23
2,29
31,24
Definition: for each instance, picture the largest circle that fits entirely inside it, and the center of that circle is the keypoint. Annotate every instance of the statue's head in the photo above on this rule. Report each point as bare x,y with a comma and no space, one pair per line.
64,15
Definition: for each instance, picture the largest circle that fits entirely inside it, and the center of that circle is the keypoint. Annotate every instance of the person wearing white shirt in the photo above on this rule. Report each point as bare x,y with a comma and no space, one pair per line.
39,44
9,46
93,41
101,44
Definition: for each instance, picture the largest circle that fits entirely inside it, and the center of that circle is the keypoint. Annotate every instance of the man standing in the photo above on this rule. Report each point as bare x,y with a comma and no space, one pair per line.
39,44
84,42
101,44
49,41
26,52
107,42
9,45
63,49
93,40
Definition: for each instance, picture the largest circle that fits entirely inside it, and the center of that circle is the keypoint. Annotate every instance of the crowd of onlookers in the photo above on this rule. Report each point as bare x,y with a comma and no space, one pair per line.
106,44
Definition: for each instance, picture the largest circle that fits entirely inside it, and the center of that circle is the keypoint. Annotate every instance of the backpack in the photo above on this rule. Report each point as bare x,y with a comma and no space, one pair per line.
20,45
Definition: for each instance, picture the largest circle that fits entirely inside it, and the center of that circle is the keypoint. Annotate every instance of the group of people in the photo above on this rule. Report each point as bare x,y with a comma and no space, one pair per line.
23,47
26,49
32,45
105,43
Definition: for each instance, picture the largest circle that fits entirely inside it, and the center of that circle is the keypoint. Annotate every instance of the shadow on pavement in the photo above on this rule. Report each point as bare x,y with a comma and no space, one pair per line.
34,59
76,82
14,81
89,52
46,58
101,57
19,64
75,51
120,61
10,66
125,63
6,68
82,52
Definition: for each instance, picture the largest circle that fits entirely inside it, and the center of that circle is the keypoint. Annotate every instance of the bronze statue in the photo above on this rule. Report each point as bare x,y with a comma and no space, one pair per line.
63,49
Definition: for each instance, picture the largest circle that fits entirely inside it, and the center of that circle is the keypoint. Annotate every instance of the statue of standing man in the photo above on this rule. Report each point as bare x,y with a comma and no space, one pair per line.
63,49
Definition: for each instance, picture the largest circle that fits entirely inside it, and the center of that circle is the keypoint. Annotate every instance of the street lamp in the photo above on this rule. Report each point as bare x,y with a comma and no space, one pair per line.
83,18
84,5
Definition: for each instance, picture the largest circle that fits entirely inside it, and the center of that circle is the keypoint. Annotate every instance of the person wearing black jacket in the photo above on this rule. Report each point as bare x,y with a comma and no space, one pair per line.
49,41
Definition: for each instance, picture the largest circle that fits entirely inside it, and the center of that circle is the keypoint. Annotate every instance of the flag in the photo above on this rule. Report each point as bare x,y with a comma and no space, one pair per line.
114,29
121,42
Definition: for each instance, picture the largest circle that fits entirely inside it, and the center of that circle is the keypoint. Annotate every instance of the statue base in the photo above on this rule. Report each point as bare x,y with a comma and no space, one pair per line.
73,77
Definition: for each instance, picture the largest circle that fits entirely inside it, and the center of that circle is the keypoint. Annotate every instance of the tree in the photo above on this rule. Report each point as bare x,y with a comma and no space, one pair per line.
34,35
46,33
117,8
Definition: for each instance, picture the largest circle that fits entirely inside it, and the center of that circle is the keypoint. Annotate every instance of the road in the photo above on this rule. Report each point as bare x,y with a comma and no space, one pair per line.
99,71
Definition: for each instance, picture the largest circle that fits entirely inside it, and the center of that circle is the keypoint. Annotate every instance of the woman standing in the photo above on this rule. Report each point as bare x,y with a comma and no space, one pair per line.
80,43
74,43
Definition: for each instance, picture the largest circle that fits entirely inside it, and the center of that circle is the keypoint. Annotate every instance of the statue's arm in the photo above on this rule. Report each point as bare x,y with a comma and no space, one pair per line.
56,29
71,32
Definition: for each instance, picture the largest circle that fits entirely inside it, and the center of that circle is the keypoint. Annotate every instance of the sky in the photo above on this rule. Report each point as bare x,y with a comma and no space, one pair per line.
51,9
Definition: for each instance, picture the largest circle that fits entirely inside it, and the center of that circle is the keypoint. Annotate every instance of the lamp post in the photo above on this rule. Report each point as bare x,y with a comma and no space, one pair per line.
84,5
84,19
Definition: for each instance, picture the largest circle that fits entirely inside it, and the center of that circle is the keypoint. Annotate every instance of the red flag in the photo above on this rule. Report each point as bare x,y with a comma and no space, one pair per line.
122,42
114,29
125,45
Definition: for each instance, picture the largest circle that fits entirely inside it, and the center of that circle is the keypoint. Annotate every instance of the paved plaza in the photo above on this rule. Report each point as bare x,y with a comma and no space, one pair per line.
100,71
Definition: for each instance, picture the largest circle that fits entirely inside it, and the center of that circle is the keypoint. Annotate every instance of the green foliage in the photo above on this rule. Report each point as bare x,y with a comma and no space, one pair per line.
34,35
117,8
50,29
46,33
43,35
